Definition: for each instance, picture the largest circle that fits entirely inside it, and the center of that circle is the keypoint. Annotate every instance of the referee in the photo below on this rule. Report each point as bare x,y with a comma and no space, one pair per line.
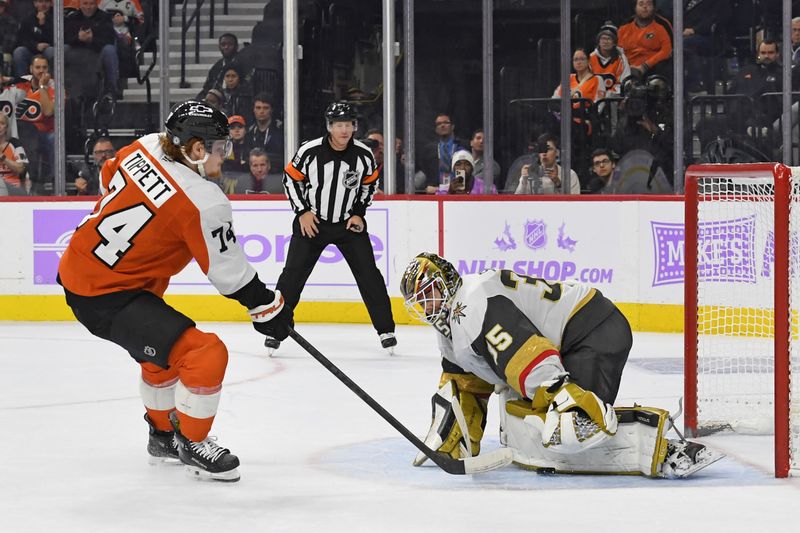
330,182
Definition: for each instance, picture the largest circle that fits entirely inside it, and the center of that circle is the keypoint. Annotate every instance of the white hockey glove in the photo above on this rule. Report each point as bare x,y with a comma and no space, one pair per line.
272,319
573,419
454,410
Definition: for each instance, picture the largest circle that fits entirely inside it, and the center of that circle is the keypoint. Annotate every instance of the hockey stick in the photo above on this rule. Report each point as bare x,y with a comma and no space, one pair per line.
470,465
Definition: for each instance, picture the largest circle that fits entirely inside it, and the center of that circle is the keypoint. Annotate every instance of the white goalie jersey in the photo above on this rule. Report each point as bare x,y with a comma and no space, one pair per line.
508,328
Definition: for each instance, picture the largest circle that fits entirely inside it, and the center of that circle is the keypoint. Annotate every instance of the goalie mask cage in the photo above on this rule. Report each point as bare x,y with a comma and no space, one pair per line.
742,295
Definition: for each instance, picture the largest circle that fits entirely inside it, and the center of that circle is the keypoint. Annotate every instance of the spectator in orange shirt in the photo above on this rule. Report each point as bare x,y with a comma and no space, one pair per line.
646,42
34,99
583,84
13,161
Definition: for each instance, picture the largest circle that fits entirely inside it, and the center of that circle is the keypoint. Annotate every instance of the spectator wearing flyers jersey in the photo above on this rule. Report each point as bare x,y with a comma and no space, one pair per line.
608,60
583,84
13,161
34,101
8,103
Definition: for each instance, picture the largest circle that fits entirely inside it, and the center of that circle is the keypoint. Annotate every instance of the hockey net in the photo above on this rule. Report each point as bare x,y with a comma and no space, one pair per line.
742,295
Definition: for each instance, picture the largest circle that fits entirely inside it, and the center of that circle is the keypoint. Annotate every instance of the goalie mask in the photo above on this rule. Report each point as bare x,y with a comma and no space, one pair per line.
428,285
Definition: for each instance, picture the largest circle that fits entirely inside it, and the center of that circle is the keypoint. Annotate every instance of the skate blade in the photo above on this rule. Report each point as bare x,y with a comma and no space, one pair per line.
163,461
197,473
390,350
270,351
704,458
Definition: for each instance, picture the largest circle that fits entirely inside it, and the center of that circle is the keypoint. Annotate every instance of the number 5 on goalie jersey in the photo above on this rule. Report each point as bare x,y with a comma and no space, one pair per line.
497,340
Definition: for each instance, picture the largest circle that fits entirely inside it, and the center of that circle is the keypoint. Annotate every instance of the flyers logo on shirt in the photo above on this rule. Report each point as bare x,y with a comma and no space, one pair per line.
7,108
29,109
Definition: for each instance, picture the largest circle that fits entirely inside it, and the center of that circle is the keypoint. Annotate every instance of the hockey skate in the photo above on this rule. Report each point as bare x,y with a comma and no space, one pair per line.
684,458
162,446
271,344
205,459
388,342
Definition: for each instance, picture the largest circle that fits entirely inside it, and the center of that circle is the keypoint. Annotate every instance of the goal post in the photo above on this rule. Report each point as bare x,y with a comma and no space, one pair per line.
741,298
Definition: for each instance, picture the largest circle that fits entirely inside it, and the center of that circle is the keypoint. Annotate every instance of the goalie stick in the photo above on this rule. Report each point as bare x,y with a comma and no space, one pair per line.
470,465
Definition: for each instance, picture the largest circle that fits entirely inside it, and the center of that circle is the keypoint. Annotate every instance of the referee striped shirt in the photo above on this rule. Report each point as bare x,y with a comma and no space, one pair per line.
333,184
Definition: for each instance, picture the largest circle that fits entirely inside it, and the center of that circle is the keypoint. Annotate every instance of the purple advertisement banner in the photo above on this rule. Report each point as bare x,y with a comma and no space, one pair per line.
264,234
52,230
726,251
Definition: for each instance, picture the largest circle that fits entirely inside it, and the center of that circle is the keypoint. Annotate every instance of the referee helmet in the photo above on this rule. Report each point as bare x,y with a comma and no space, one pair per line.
340,112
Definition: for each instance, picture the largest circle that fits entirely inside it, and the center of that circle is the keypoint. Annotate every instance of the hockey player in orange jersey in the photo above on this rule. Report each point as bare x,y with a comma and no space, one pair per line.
160,213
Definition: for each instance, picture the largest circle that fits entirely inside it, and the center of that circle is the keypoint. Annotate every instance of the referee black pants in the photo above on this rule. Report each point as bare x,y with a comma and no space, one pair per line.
356,248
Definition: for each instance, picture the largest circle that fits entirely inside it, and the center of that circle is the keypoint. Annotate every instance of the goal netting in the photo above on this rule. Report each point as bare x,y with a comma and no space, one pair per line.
741,302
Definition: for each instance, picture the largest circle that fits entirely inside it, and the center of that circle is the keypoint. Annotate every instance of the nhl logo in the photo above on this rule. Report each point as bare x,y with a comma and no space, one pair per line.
350,179
149,351
535,234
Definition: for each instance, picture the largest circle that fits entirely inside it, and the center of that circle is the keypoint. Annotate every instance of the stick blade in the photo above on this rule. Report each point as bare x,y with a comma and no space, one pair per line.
488,461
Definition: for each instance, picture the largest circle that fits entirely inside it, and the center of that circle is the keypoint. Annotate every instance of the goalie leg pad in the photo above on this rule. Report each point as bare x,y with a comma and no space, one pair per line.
454,410
637,448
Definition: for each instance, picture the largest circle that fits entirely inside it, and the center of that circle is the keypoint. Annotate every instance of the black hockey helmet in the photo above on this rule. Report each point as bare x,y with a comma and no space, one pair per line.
193,118
340,112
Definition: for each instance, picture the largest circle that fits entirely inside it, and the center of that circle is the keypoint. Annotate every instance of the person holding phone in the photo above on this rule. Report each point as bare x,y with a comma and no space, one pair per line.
545,175
464,181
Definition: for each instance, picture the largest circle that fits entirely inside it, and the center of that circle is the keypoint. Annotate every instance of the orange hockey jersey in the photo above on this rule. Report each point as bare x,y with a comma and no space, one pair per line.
156,217
612,71
29,106
591,88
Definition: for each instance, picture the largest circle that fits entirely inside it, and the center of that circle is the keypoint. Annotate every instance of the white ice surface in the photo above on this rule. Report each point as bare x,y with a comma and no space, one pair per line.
316,458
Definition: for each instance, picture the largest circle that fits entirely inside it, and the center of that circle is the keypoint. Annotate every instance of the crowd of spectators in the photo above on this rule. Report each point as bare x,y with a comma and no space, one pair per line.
621,84
100,38
623,91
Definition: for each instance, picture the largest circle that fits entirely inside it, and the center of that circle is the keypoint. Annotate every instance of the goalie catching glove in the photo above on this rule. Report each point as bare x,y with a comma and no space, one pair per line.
272,319
454,410
572,419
